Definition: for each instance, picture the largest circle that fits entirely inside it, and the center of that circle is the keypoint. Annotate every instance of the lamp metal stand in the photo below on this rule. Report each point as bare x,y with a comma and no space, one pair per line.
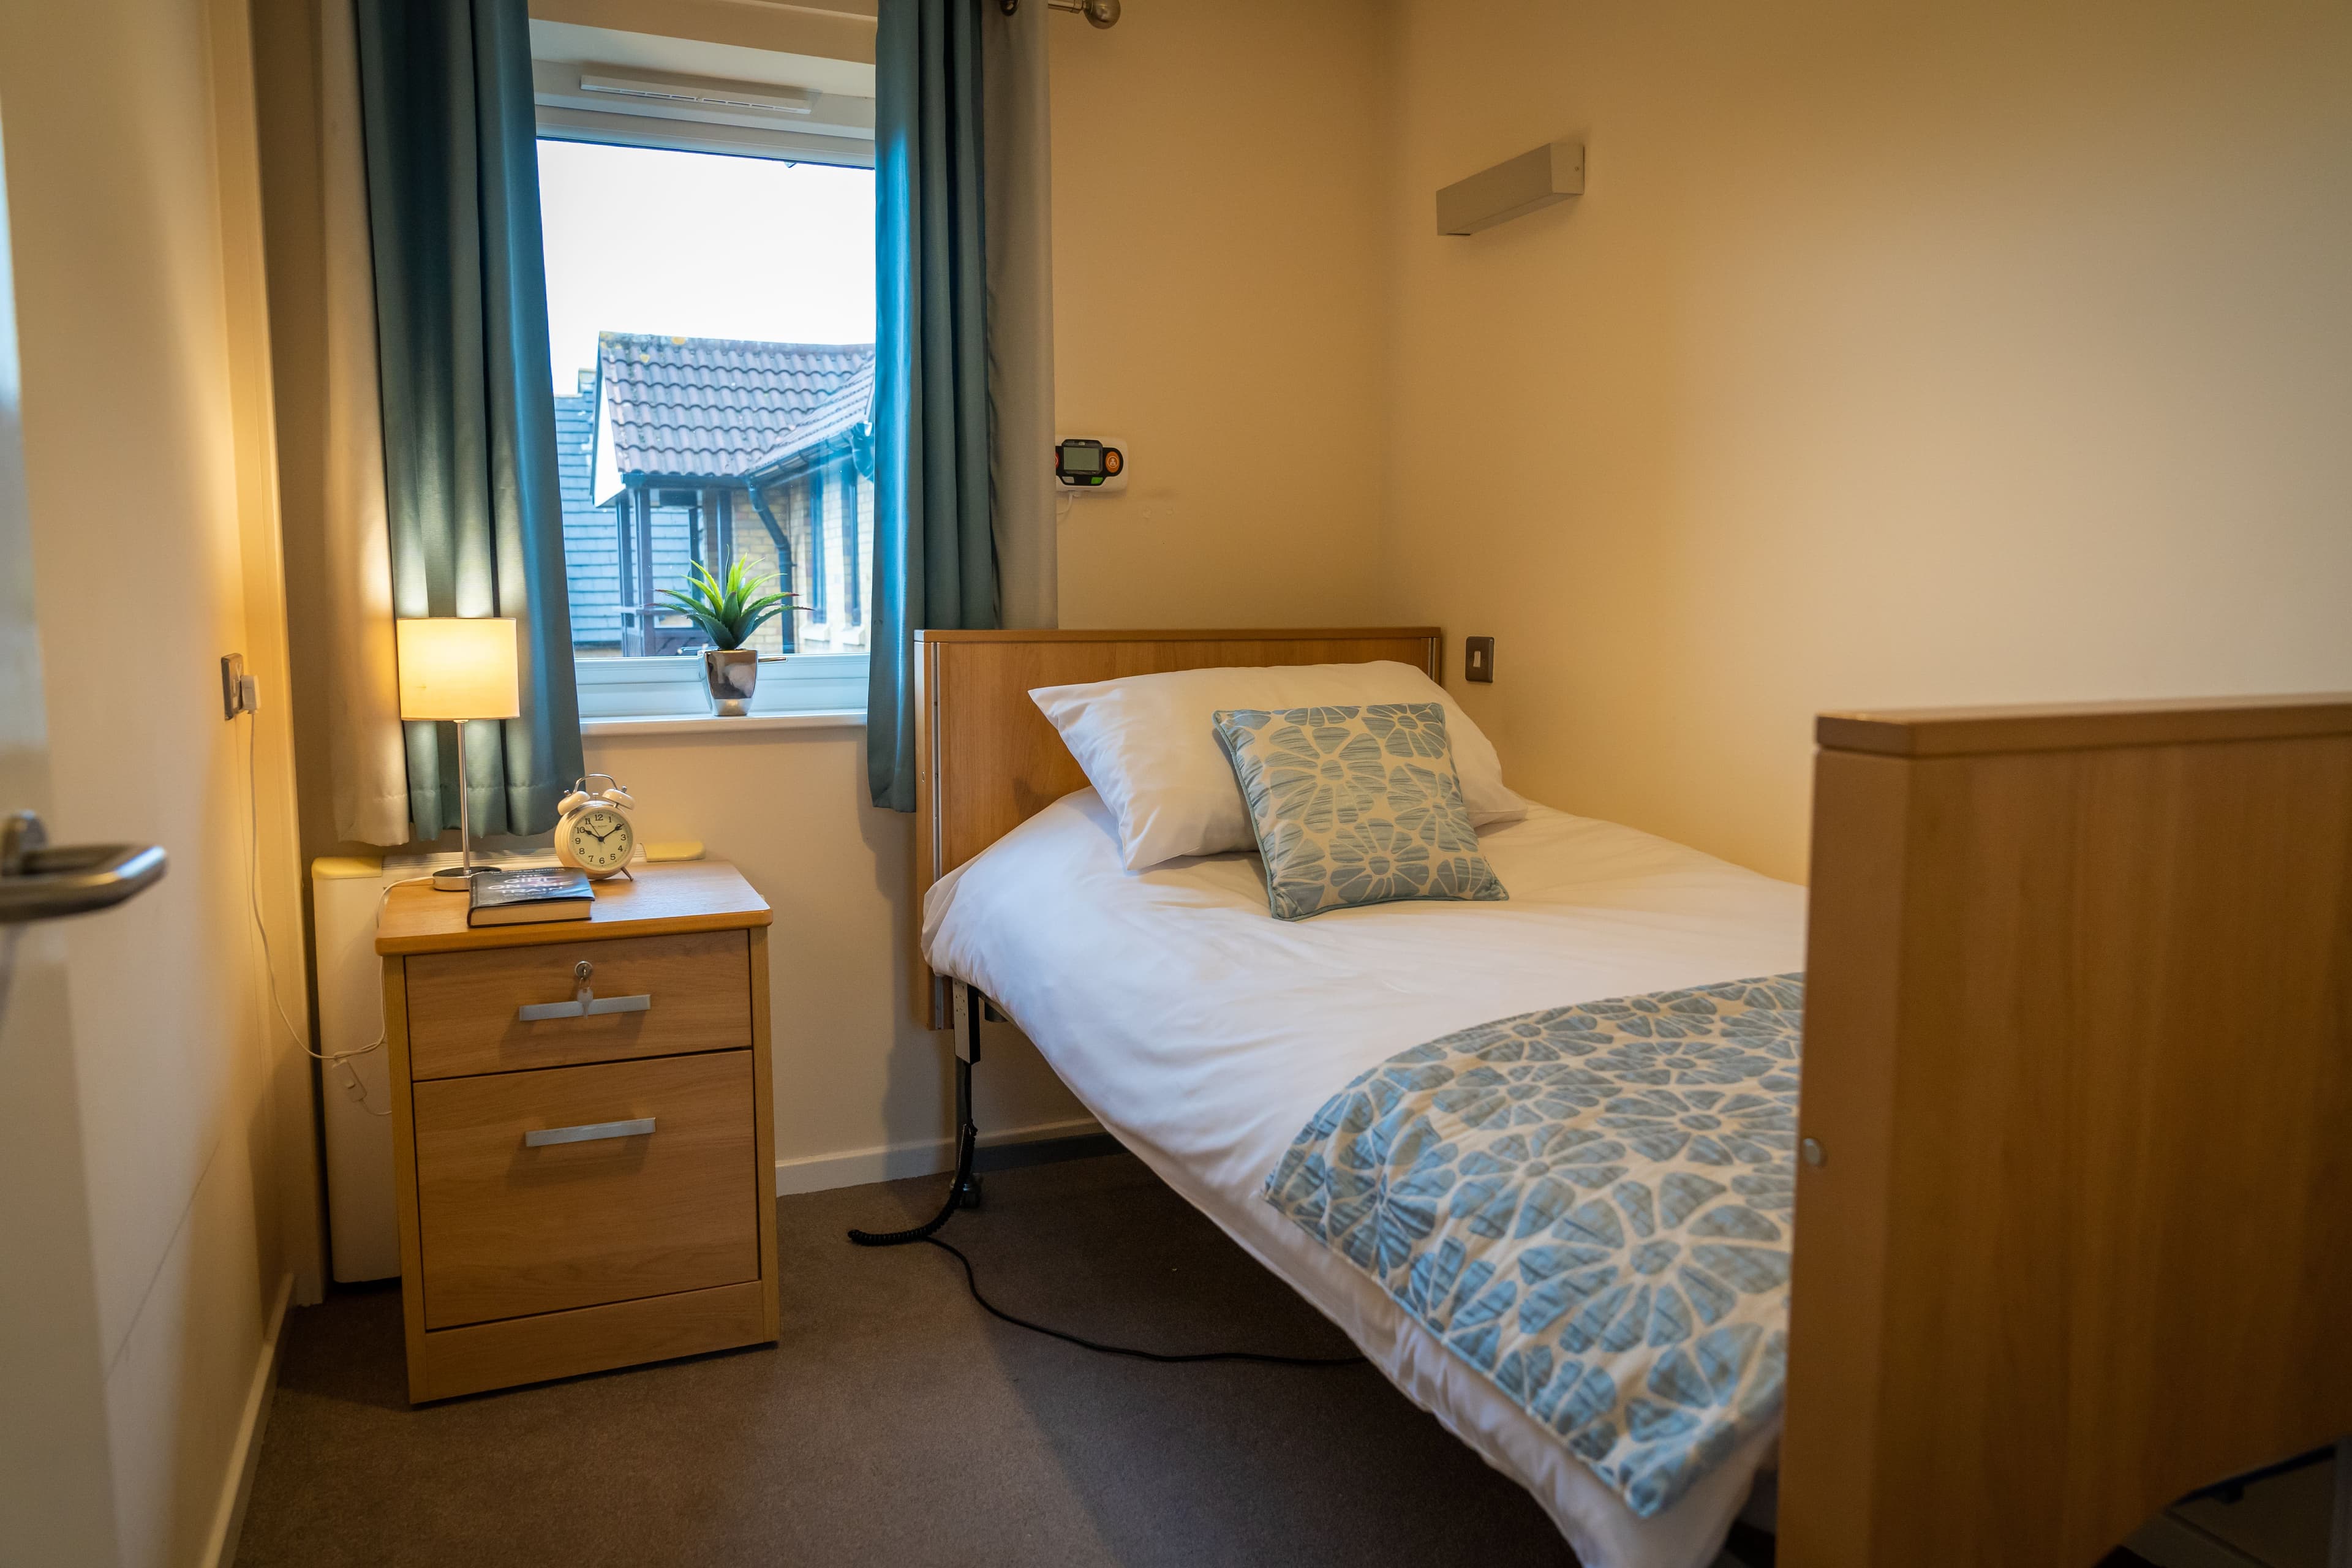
460,877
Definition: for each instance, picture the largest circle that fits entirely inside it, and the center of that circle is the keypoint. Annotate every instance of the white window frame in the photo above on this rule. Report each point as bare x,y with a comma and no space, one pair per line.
673,687
836,125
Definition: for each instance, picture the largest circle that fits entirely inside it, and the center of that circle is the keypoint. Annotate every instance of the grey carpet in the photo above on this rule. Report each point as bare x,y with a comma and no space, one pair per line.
897,1423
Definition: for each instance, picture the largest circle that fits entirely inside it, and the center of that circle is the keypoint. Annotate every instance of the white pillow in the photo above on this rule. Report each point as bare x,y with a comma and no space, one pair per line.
1150,747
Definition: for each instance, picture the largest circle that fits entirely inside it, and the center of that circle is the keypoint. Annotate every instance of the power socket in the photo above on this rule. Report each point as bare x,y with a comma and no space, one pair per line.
240,693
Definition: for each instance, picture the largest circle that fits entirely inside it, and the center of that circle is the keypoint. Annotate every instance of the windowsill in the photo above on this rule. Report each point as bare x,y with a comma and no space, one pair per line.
711,724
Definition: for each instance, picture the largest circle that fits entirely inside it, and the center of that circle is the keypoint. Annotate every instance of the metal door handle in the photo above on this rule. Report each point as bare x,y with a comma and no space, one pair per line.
587,1133
584,1003
38,883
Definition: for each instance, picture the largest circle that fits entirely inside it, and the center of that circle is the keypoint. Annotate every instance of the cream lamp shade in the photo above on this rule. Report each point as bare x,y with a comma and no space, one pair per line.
458,669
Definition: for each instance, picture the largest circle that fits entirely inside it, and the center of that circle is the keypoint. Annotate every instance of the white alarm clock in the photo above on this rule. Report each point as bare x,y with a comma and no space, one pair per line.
591,833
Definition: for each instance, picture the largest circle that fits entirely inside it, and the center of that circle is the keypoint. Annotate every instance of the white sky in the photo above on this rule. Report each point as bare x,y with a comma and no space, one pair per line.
698,245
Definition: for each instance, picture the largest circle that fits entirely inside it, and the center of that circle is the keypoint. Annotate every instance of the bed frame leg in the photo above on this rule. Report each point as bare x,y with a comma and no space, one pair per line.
967,1004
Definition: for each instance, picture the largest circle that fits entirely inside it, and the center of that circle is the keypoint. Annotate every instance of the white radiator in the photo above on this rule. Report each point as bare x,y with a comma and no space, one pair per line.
364,1233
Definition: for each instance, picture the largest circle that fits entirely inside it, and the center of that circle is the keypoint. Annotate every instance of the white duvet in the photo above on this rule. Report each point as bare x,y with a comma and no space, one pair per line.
1204,1032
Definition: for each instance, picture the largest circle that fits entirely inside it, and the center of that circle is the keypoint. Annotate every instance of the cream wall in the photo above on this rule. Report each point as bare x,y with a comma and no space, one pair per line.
1215,224
1994,354
136,256
1215,230
1984,352
863,1087
1218,287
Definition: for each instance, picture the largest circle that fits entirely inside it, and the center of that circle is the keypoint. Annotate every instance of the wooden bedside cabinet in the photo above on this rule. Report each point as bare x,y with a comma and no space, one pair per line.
582,1136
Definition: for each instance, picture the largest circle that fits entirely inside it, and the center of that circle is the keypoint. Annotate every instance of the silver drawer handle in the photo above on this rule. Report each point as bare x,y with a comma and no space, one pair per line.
584,1003
583,1007
587,1133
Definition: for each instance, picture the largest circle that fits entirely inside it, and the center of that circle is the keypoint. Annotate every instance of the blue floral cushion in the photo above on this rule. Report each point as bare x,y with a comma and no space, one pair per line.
1355,806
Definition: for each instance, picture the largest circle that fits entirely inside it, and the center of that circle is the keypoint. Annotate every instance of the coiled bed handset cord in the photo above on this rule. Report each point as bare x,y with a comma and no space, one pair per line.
964,1192
929,1228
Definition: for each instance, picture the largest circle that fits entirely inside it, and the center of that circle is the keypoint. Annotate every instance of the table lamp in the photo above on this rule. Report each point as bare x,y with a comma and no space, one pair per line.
458,669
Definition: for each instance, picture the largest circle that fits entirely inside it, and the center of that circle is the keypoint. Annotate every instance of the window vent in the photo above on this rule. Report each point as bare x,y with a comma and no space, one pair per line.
758,97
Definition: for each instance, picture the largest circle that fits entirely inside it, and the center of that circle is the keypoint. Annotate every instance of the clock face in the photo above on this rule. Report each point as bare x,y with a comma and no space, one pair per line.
600,840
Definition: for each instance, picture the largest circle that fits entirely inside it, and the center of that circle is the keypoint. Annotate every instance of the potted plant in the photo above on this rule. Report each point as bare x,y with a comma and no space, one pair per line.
729,611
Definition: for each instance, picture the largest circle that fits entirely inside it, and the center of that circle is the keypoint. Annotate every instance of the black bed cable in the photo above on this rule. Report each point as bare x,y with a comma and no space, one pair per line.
964,1140
929,1233
1754,1548
1261,1357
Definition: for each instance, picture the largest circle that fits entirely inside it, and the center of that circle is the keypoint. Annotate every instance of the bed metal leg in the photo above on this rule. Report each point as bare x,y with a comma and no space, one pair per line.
964,1189
967,1004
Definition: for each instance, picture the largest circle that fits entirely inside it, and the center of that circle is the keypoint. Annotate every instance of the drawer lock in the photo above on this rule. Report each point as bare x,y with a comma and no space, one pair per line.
584,1003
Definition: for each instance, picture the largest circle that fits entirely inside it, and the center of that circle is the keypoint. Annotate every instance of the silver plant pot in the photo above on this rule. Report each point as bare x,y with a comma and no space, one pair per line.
734,675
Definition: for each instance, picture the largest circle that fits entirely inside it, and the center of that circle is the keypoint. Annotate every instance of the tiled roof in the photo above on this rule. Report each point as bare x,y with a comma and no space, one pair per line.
707,408
851,406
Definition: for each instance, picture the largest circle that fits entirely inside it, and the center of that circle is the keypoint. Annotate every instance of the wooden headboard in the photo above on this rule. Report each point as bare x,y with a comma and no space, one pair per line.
2073,1226
987,758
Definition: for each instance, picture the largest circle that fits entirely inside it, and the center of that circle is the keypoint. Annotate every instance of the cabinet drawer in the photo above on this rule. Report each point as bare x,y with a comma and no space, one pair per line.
464,1007
510,1227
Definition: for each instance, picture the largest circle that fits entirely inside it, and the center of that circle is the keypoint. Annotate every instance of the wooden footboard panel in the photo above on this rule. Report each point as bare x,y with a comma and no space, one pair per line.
2078,1068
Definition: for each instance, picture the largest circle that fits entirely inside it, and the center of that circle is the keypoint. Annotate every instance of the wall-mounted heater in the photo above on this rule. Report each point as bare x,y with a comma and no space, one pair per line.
1513,189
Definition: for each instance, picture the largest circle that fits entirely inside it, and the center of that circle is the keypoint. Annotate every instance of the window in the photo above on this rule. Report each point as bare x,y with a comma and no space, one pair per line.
711,322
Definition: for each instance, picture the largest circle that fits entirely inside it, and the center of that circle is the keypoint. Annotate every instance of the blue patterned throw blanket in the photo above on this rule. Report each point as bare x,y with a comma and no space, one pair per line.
1591,1206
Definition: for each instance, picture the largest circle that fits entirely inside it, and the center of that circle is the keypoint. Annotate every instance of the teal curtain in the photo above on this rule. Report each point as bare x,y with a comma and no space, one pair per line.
934,553
469,408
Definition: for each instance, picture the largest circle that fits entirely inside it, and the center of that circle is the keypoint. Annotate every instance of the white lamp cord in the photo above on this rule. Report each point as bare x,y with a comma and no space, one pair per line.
353,1085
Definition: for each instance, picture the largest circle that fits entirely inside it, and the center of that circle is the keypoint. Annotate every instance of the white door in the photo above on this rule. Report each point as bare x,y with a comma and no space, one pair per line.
55,1478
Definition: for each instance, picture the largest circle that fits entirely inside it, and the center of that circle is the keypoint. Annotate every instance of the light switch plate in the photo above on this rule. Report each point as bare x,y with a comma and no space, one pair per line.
237,686
1478,659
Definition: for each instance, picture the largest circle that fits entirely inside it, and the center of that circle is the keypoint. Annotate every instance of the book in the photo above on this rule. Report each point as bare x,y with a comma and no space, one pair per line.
528,897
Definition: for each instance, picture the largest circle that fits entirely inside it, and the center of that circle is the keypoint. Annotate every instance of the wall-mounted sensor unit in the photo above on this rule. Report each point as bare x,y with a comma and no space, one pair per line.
1513,189
1090,465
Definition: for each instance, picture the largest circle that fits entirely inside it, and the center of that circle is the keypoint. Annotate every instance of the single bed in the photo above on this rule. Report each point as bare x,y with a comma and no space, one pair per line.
2073,1232
1202,1034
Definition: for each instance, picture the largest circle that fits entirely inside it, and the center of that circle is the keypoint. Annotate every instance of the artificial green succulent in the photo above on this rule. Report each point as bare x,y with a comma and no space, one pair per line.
729,611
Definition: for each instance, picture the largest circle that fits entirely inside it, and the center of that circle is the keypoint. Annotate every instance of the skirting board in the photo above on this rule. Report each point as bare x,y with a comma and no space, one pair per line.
890,1162
236,1487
